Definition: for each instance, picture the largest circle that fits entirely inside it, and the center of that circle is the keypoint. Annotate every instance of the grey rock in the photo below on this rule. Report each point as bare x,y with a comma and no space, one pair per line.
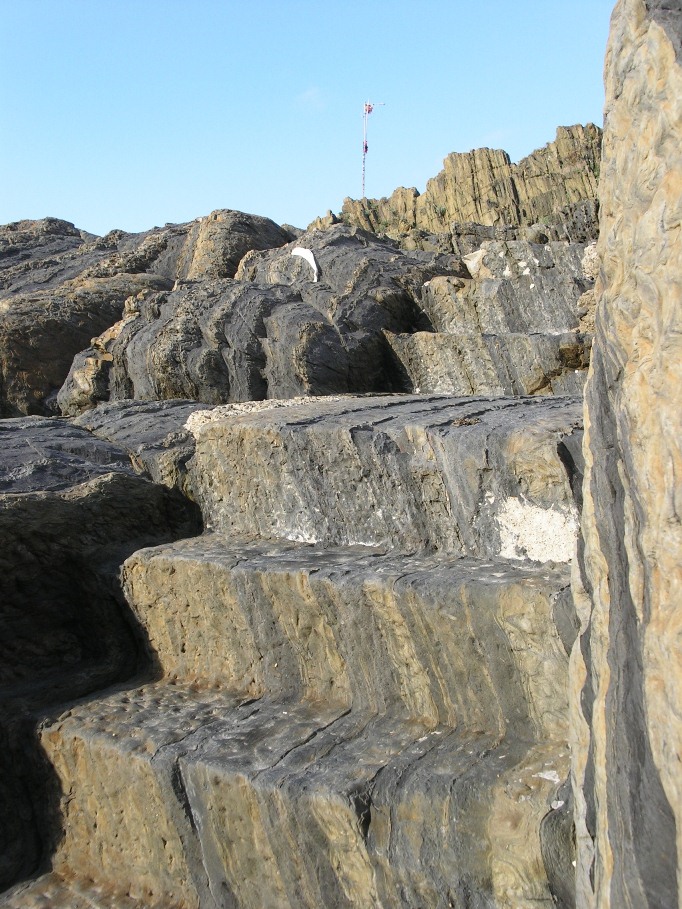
513,364
153,434
514,287
71,509
272,333
59,288
469,475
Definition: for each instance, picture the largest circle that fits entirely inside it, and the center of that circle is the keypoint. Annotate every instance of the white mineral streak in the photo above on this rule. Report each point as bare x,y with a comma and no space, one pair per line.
474,261
541,534
201,418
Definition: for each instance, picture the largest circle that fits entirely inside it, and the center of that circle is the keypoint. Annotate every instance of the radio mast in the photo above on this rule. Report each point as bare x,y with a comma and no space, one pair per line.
369,107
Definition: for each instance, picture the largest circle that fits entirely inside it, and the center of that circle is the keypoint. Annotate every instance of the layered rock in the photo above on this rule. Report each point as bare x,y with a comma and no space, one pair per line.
71,508
413,473
509,328
273,332
626,690
60,287
371,721
484,187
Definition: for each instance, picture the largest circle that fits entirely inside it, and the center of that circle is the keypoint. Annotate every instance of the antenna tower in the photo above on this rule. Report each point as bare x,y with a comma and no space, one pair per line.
369,107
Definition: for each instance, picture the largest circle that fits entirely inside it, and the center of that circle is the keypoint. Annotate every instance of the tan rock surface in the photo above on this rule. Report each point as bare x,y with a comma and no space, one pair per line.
485,187
627,686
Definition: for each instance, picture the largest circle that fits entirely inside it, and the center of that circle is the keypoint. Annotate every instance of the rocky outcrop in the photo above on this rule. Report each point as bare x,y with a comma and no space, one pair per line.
550,186
60,287
508,328
272,332
360,689
72,507
626,690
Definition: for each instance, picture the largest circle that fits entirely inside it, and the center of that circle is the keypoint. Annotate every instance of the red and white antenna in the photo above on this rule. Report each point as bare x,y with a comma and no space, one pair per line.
369,107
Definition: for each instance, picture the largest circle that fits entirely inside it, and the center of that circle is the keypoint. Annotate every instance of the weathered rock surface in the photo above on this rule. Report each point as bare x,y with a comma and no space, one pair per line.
372,725
513,364
468,476
275,333
271,333
351,689
626,683
509,328
339,798
60,287
483,186
152,433
71,509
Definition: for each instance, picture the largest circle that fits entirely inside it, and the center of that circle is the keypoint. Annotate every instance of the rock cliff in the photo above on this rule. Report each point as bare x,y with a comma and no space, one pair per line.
551,187
626,692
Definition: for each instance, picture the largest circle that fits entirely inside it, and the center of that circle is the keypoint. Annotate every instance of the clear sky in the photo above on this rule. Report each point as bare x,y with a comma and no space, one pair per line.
132,113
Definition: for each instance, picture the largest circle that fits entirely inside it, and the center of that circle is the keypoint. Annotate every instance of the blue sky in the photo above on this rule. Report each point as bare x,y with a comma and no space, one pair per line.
132,113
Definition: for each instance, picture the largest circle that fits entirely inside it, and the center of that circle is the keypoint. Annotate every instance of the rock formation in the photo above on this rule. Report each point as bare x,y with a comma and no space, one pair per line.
267,642
60,287
71,509
367,325
553,186
350,689
626,691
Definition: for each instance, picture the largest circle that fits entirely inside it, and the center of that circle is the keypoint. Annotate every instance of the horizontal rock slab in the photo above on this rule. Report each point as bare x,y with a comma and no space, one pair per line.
485,364
153,434
472,476
293,804
440,639
38,454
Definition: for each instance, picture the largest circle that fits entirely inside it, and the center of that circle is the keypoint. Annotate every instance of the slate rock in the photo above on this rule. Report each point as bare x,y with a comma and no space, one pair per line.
59,288
271,333
626,687
72,507
483,186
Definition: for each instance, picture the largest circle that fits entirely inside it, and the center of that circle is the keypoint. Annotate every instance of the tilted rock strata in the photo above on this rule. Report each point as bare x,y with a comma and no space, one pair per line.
483,186
626,690
354,725
60,287
485,364
299,751
271,333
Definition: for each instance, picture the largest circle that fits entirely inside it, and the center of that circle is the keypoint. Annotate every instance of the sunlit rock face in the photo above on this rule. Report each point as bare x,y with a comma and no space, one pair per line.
626,682
555,186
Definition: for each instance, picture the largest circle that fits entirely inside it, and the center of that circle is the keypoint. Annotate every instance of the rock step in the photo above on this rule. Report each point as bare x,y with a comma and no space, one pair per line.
470,476
490,364
440,639
51,891
206,801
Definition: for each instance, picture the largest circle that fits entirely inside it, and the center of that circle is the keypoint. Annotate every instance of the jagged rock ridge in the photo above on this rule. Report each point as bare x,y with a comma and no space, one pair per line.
553,186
